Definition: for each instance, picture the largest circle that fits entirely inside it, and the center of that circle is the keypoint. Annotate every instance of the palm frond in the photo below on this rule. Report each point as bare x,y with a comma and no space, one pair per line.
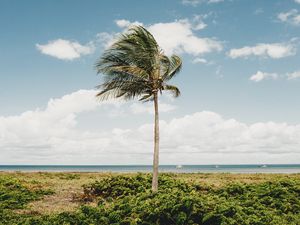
147,97
122,88
134,66
137,48
173,89
174,67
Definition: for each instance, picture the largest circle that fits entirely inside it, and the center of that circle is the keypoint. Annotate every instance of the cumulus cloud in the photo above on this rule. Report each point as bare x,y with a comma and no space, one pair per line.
174,37
38,125
53,136
259,76
65,49
274,50
297,1
179,37
291,17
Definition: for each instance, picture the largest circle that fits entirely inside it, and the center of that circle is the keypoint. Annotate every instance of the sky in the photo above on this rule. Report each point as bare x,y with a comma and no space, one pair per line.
240,83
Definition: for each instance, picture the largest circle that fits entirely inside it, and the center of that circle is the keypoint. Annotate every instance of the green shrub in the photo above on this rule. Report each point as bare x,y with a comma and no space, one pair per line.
121,186
128,200
13,195
69,176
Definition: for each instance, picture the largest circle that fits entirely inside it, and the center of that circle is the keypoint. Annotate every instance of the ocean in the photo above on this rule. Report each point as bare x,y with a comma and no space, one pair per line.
261,168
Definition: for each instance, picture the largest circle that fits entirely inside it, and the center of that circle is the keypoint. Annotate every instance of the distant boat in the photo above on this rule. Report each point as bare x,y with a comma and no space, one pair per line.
263,166
179,167
217,166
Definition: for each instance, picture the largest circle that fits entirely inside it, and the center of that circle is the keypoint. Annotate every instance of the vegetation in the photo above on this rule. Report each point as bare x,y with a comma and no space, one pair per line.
14,195
181,199
136,67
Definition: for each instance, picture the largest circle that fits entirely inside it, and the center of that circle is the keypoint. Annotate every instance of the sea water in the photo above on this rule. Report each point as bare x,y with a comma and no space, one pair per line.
253,168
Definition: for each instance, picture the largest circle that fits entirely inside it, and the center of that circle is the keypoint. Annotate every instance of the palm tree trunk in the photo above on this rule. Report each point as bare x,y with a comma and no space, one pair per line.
156,146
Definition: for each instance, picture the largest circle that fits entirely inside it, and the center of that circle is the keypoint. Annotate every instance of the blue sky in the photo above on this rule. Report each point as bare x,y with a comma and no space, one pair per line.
241,76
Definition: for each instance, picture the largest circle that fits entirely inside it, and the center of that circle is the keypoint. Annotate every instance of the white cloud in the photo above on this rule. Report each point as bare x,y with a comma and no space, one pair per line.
122,23
214,1
58,117
198,23
199,60
65,49
175,37
191,2
293,76
297,1
138,108
292,17
258,11
285,16
198,2
274,50
53,136
259,76
126,23
178,37
105,39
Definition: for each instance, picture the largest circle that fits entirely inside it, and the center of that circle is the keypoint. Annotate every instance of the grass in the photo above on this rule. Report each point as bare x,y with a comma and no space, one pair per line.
62,197
64,187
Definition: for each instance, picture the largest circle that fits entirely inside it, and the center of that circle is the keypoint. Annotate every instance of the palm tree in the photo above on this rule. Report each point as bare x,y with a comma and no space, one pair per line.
136,67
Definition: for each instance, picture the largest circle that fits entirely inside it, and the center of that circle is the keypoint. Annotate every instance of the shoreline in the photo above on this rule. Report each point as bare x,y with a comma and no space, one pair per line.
149,172
180,169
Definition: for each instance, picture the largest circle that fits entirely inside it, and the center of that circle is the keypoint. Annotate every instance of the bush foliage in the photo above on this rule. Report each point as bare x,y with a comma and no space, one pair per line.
14,195
129,200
